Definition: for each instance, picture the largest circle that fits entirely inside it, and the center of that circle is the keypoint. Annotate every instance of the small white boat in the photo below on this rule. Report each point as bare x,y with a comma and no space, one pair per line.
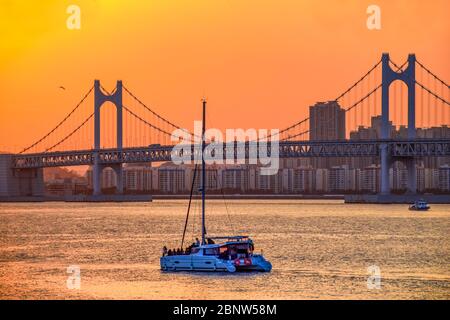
234,254
419,205
229,254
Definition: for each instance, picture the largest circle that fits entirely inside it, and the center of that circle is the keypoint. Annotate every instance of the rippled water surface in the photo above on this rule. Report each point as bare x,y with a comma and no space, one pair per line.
319,250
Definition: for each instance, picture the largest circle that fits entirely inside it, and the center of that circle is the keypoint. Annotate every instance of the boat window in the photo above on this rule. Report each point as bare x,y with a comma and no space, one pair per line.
211,251
241,248
223,249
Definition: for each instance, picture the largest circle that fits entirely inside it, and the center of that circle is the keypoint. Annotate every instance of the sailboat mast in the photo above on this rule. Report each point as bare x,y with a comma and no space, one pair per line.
203,172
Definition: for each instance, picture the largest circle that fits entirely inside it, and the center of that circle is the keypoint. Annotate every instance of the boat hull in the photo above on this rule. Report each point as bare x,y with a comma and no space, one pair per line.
419,209
213,264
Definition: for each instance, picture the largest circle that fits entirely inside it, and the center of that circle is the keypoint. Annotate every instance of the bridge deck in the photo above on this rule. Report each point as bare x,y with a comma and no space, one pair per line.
287,149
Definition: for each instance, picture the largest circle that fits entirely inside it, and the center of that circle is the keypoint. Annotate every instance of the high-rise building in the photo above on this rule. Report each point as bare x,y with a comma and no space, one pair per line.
269,183
370,179
327,121
235,178
341,179
368,133
304,179
371,133
171,179
321,180
138,178
442,132
287,180
398,175
108,178
444,178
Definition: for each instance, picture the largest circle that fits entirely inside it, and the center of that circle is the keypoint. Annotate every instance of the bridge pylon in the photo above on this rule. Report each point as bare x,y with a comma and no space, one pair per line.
407,76
100,98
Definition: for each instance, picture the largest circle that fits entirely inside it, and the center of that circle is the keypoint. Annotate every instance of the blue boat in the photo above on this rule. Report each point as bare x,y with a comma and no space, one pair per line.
214,254
419,205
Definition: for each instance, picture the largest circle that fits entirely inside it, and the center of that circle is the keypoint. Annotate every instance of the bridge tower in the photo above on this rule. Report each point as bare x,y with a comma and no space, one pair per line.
407,76
99,99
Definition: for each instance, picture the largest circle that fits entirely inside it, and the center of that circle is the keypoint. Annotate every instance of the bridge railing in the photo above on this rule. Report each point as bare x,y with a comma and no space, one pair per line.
286,149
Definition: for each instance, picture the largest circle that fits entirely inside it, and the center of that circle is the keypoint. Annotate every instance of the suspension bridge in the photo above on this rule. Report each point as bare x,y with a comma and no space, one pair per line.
135,132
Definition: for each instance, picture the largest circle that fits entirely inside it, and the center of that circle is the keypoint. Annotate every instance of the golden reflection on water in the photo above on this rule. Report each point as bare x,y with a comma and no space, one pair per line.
319,250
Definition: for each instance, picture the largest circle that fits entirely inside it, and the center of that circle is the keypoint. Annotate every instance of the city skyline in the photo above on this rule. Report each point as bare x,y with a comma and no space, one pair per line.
295,176
38,46
291,179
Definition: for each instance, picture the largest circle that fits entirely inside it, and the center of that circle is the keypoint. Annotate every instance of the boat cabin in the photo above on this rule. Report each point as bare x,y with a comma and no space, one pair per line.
232,248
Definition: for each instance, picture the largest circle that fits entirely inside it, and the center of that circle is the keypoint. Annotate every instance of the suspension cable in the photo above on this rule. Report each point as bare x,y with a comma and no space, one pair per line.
432,93
140,118
152,111
145,121
70,134
431,73
337,98
346,110
399,68
421,85
60,123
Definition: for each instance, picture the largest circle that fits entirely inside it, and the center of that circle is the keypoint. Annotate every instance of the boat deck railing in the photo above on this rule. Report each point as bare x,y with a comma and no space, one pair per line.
229,238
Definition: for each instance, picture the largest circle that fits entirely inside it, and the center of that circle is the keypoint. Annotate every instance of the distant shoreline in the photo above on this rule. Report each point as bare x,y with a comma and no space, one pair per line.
149,198
366,199
251,197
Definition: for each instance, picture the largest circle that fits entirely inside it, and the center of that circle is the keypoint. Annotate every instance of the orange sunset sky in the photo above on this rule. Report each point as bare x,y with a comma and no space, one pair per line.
260,63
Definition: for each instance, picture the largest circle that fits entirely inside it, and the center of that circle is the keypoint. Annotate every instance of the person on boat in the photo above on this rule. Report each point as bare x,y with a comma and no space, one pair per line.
164,251
210,241
233,253
169,253
197,242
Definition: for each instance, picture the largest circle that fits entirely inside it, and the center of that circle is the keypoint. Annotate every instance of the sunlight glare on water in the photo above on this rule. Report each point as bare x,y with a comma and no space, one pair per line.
318,249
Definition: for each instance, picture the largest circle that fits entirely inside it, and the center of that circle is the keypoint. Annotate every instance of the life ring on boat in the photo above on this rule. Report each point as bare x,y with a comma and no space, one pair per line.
248,261
237,262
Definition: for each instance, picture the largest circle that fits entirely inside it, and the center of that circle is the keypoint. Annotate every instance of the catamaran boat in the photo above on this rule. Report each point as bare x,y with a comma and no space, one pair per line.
232,254
220,254
419,205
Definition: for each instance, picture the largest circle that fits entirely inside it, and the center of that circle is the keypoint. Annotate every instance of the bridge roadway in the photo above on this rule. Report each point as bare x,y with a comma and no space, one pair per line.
287,149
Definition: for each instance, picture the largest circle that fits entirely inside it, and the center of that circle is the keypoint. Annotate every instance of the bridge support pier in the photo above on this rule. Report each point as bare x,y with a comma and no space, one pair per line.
407,76
119,178
100,98
384,170
20,182
96,174
97,177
